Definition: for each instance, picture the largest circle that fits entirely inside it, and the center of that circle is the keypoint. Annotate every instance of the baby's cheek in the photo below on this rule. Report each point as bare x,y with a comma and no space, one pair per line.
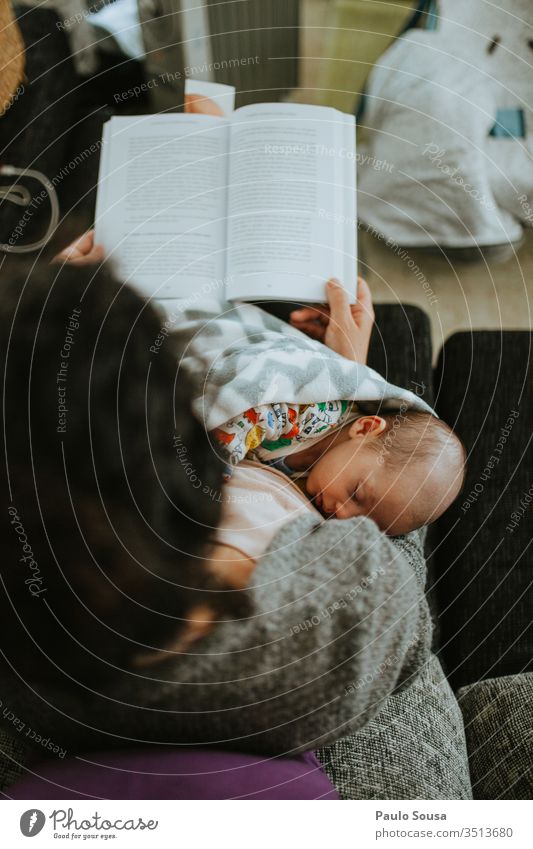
316,480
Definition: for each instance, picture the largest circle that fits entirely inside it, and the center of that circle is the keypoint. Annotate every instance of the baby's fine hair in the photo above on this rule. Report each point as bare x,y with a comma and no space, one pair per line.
415,436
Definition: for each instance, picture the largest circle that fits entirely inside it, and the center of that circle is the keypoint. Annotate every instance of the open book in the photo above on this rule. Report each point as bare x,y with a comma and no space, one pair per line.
257,205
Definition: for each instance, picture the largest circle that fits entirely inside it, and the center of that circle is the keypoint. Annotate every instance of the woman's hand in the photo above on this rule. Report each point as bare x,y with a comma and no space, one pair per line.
82,251
344,327
201,105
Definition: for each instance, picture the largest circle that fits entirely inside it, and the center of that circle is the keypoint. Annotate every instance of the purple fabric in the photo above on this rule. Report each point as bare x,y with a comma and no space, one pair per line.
150,773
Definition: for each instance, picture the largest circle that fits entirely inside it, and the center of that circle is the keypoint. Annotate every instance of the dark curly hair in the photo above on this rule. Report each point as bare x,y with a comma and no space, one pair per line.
104,538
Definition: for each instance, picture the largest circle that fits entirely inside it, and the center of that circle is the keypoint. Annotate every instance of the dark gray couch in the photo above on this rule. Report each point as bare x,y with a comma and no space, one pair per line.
427,742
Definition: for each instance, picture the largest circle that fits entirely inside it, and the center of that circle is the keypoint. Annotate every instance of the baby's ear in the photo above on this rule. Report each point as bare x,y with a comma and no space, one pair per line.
367,426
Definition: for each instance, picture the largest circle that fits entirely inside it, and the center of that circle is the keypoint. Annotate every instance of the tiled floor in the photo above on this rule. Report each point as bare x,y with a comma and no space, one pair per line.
465,295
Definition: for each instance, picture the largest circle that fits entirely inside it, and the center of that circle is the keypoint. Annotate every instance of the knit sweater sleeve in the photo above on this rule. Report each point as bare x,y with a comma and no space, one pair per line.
340,623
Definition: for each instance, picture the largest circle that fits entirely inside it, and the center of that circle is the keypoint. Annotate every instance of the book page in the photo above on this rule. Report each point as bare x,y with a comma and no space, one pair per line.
348,220
291,170
161,212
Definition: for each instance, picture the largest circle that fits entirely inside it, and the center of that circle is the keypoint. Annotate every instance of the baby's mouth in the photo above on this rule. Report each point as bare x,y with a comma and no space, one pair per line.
317,501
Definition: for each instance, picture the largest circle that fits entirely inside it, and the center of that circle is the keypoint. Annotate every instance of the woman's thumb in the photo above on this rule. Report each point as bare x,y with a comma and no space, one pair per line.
338,301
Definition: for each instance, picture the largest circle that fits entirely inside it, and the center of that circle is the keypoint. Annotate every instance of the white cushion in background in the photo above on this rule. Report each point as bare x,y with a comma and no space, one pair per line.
432,101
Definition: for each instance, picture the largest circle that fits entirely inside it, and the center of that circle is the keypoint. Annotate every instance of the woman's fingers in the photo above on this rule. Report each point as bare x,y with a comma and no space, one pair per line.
95,255
306,322
315,331
363,312
201,105
321,323
364,297
318,313
86,242
81,246
82,251
339,303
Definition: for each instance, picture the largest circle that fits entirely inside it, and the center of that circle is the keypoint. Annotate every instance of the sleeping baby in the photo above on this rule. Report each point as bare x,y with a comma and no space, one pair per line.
403,469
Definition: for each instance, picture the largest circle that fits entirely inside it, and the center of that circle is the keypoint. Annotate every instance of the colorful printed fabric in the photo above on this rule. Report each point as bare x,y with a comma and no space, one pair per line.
272,427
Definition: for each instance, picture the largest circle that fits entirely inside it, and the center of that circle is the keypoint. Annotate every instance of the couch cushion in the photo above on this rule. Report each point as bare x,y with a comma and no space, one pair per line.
413,749
14,756
400,348
498,718
483,574
152,773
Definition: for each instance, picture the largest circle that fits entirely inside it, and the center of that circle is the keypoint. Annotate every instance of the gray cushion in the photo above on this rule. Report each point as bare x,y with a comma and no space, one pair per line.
413,749
14,756
498,718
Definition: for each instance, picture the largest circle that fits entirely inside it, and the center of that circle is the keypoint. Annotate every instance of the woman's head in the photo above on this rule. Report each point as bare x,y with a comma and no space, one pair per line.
104,538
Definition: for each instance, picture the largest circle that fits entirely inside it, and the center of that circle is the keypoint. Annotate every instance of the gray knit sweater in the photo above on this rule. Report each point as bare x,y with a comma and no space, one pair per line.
340,622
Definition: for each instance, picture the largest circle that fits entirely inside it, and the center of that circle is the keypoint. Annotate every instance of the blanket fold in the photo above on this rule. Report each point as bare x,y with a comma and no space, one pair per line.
239,356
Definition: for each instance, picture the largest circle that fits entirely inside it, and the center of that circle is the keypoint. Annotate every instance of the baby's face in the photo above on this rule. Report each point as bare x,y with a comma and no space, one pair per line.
350,479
